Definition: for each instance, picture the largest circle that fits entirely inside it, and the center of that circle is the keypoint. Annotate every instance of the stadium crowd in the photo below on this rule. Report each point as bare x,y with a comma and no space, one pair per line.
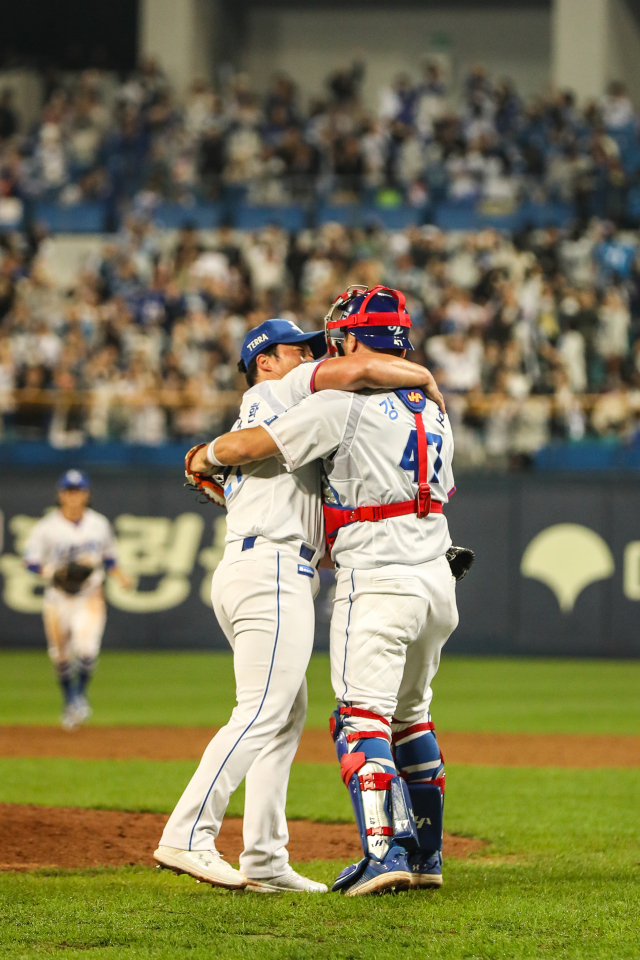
132,141
533,337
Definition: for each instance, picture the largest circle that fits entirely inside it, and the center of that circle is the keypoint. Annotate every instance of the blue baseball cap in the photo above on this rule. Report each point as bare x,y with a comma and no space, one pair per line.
271,332
377,336
383,338
74,480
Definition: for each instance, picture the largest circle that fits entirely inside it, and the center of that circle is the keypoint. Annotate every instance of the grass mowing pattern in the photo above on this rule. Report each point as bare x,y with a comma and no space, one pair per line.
507,912
561,877
154,786
577,817
471,693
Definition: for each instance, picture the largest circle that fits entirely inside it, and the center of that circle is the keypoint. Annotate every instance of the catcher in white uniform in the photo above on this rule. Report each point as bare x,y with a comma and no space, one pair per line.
387,459
262,593
72,547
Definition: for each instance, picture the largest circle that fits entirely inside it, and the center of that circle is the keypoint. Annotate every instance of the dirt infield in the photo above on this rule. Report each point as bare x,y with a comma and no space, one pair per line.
188,743
32,837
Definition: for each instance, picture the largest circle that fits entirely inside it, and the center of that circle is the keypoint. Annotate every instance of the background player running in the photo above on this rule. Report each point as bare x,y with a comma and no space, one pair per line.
262,594
72,547
387,457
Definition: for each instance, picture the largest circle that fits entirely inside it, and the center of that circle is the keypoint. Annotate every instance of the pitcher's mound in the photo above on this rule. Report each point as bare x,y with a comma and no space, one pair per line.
32,836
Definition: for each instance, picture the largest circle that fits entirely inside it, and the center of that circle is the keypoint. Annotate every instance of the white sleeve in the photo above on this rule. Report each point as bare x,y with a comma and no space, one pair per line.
109,552
35,548
313,429
300,380
448,482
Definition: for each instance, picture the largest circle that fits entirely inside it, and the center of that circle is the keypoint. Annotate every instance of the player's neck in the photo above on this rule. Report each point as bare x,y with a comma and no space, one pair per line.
73,516
390,354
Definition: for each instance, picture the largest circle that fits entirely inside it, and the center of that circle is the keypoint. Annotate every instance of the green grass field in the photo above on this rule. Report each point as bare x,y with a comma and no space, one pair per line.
560,877
470,693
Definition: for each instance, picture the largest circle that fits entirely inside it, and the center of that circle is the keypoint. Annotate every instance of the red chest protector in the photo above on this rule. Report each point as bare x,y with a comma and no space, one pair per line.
422,505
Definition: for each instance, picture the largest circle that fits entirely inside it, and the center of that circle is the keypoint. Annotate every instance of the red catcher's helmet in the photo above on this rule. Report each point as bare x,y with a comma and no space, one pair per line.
376,316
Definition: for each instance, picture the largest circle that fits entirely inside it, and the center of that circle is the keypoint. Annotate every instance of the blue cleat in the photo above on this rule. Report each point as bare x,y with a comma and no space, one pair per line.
375,876
426,869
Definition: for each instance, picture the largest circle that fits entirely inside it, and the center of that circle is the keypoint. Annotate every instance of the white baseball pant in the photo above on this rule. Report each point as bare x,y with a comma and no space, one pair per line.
388,627
73,625
263,599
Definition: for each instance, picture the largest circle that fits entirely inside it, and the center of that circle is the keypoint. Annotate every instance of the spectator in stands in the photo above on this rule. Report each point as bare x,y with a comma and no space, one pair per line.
519,328
8,116
613,332
32,415
344,83
143,143
458,361
150,330
616,107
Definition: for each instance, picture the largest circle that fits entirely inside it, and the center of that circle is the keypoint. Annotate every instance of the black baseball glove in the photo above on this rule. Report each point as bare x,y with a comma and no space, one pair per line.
71,577
460,560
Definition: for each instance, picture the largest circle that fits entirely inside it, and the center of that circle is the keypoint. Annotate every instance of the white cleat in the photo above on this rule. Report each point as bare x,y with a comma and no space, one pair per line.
289,882
205,865
70,719
82,708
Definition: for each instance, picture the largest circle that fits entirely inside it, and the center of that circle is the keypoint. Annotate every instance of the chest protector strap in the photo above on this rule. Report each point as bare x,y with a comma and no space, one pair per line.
422,505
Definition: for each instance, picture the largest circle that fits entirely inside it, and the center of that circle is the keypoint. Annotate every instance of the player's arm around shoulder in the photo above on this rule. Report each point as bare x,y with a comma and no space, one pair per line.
308,431
360,371
313,429
366,371
254,409
244,443
240,447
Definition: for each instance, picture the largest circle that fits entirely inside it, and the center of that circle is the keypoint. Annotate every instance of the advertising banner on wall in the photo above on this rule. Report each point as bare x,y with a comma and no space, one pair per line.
557,569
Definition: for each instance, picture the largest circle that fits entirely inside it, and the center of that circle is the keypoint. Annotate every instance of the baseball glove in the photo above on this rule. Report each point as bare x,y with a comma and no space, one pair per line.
71,578
460,560
201,482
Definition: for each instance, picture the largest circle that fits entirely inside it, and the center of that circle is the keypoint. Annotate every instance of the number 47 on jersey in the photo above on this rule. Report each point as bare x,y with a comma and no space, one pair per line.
409,460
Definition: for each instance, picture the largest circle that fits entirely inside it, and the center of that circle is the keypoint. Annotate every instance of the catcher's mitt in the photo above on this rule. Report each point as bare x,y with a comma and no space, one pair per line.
201,482
460,560
71,578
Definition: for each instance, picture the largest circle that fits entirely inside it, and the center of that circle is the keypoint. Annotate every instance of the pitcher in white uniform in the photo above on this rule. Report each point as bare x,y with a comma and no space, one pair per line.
263,592
388,476
73,547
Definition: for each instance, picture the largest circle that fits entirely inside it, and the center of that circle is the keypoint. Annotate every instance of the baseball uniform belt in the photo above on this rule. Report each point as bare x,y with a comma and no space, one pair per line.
337,517
306,552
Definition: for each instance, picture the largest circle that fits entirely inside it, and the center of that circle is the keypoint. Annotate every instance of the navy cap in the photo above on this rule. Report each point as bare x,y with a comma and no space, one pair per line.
74,480
383,338
280,331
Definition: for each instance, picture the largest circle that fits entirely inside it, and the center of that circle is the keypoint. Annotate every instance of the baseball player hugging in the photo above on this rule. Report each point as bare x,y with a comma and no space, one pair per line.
262,593
387,458
72,547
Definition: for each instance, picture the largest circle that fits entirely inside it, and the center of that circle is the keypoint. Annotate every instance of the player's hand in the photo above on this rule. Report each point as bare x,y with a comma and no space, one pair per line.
197,460
432,391
201,481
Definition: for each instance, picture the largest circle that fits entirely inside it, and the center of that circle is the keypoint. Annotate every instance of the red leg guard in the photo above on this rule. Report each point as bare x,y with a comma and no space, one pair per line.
350,763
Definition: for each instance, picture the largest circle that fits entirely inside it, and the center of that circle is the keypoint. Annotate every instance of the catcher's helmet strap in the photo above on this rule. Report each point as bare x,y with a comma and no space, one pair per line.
371,320
362,318
400,297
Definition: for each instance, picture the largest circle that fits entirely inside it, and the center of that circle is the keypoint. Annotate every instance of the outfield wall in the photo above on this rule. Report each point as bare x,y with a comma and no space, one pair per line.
557,571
